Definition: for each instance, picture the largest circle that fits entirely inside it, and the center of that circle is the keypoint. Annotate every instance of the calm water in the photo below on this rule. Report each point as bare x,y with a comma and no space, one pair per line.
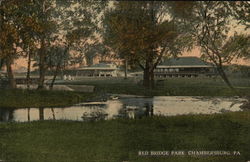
129,107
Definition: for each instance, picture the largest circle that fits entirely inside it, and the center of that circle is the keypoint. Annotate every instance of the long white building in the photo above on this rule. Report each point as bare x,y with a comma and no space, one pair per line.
98,70
184,67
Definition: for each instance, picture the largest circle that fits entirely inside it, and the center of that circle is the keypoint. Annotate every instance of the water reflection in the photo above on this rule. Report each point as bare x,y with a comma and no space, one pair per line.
28,109
53,113
41,113
94,116
126,108
6,115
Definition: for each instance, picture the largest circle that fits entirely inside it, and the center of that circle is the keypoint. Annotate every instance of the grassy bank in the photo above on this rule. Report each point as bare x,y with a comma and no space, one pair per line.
120,140
170,86
33,98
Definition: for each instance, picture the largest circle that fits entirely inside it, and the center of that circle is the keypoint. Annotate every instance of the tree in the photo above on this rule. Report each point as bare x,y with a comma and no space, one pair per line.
45,28
1,63
25,27
80,21
210,23
9,36
34,26
28,27
57,57
241,12
146,32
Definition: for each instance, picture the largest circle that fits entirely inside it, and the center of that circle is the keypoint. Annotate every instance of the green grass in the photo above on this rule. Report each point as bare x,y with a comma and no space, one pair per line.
168,87
34,98
120,140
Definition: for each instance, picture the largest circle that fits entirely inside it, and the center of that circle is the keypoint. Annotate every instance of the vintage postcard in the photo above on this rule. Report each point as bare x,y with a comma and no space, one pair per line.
124,81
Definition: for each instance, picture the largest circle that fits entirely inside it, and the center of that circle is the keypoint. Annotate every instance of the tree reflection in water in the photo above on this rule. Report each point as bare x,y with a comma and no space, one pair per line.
41,113
53,113
28,114
6,114
94,116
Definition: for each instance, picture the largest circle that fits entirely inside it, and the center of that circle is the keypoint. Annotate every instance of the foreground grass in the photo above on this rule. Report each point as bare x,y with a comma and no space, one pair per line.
33,98
168,87
120,140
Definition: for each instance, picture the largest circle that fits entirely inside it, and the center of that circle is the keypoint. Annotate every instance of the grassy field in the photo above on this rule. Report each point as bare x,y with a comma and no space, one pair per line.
171,86
120,140
33,98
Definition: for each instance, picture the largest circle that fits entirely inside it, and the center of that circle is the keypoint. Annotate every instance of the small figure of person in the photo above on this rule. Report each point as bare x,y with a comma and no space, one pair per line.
64,77
69,77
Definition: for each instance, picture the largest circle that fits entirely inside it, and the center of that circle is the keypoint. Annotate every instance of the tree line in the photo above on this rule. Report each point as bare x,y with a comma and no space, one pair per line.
140,32
45,31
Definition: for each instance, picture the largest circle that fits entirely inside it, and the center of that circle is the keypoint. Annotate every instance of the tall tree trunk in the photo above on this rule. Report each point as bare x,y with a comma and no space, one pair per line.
28,70
226,80
1,63
148,75
61,73
149,70
58,68
12,82
146,80
152,78
41,113
126,69
54,77
41,65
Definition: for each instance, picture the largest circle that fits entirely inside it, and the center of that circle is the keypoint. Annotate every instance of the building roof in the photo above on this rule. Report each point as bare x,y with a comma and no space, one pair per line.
184,62
100,66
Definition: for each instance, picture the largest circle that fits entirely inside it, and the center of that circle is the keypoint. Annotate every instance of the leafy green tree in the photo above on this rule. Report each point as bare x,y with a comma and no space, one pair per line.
24,26
45,27
241,12
210,24
143,32
80,22
27,25
34,26
9,36
57,56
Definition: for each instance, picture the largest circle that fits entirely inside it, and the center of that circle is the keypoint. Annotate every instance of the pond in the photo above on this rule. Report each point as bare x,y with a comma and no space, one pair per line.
126,107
